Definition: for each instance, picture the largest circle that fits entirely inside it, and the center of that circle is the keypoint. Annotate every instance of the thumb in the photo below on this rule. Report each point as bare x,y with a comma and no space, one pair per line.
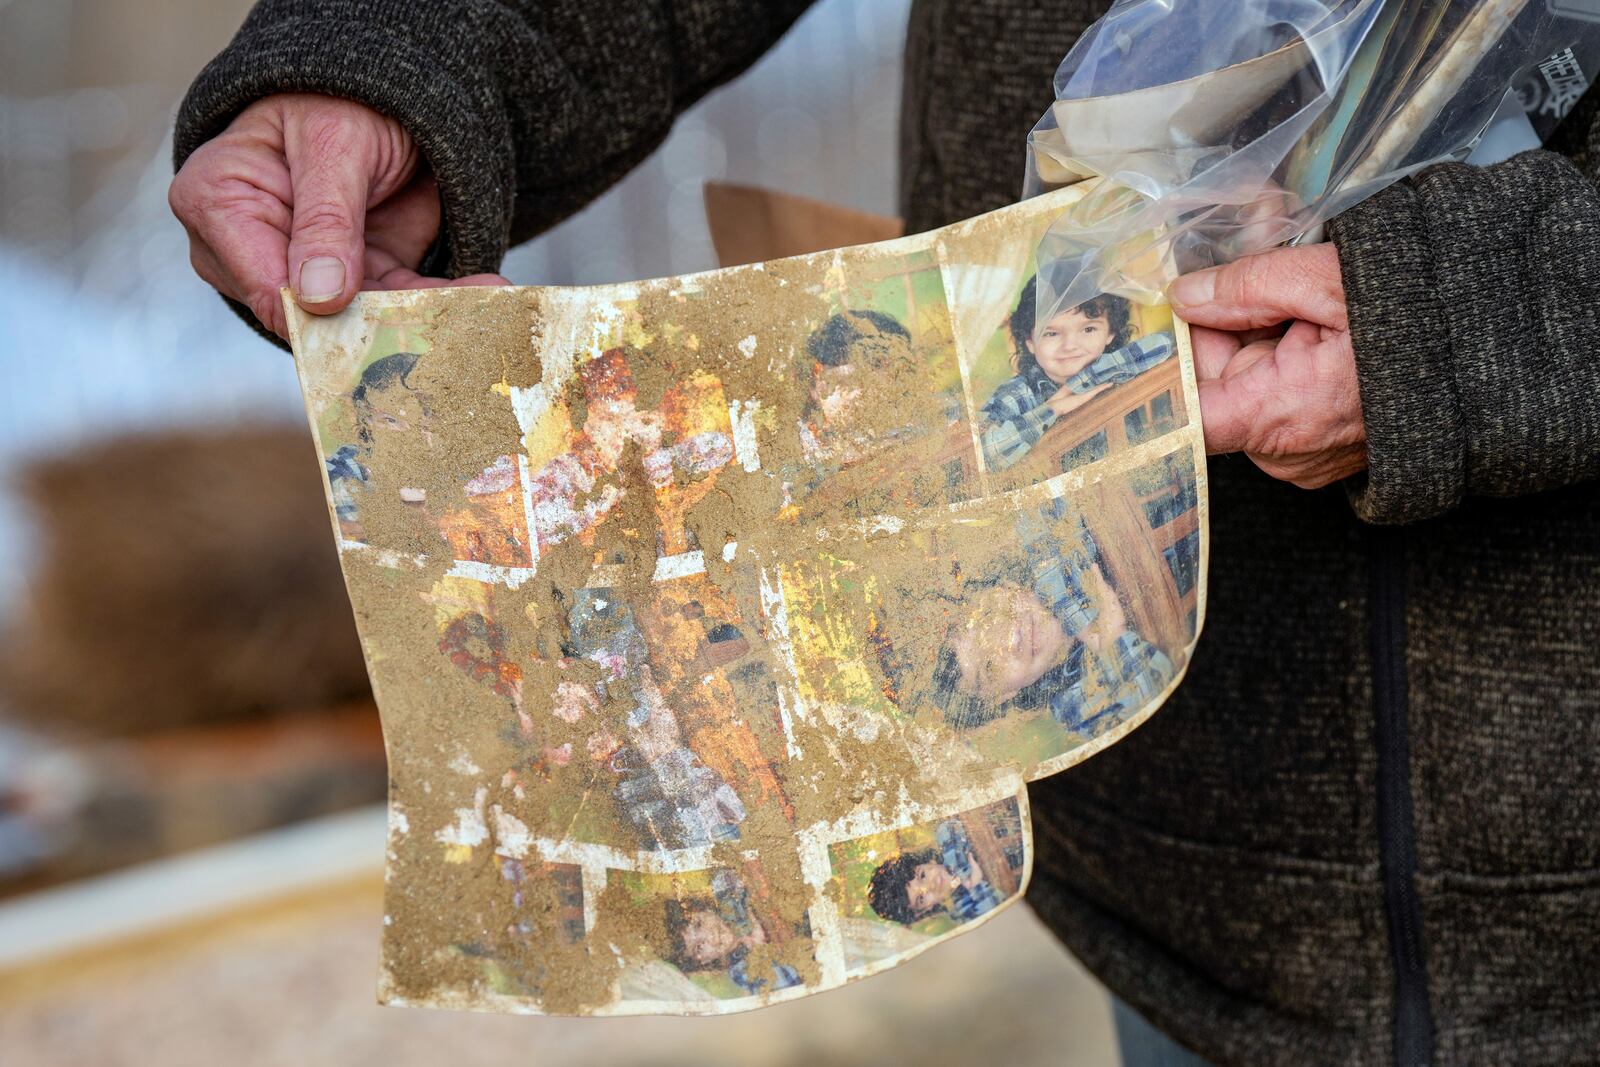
330,183
1264,290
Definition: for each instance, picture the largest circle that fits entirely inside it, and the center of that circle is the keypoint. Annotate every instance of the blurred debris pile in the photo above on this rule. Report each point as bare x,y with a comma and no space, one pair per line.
183,660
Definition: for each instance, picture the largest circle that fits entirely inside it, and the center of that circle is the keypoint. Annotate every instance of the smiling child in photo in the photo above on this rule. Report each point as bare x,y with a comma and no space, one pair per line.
1076,355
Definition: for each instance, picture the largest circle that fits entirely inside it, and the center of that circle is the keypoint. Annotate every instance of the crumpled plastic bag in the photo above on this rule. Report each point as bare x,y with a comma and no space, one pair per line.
1228,127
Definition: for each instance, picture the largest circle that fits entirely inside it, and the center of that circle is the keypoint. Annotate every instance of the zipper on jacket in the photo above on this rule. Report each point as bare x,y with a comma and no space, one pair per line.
1397,845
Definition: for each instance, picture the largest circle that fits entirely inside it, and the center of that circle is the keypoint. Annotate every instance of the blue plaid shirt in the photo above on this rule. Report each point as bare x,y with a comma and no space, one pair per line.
783,975
345,472
1097,691
1059,570
955,852
733,907
1016,416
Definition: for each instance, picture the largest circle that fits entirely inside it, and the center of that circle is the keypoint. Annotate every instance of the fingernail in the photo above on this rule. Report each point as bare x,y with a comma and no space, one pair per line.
1193,289
321,278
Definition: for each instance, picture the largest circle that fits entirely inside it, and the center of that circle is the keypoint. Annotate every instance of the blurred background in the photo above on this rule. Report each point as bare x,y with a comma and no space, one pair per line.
191,770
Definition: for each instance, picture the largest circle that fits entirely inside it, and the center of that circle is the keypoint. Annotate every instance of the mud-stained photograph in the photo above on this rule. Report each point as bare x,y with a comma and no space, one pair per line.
614,511
710,935
883,397
655,581
539,900
1027,632
1087,382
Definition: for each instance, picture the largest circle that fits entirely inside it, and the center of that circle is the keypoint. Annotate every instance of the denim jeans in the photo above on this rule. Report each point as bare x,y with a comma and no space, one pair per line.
1142,1045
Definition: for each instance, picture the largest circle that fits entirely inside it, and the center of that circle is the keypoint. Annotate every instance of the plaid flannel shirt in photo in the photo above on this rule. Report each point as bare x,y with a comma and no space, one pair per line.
1016,417
1099,690
1060,569
955,852
1094,687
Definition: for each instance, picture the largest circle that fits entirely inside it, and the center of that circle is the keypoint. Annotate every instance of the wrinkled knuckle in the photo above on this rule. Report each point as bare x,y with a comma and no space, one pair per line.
262,305
1240,282
193,192
227,211
1274,467
324,219
1231,282
180,195
1258,276
327,135
199,262
1277,440
204,197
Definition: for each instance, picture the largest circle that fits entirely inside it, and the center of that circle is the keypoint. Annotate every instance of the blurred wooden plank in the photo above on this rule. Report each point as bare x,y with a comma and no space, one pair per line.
187,890
749,224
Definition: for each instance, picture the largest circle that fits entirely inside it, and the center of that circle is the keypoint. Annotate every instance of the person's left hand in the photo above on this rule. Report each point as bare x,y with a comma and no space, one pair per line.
1284,395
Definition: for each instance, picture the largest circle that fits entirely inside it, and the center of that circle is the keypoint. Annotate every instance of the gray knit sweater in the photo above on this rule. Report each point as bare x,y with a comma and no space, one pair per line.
1366,830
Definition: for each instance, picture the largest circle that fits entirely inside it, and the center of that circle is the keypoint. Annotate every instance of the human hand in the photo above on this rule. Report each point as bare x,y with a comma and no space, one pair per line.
1064,401
1110,620
1287,398
322,194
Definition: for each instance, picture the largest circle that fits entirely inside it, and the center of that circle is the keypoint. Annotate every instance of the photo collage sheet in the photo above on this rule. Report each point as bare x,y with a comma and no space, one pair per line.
718,622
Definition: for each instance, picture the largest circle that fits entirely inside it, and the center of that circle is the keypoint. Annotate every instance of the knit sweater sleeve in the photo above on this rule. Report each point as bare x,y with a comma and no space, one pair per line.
525,109
1474,298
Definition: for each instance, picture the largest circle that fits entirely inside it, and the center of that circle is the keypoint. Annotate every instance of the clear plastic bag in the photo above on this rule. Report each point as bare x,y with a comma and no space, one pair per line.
1227,127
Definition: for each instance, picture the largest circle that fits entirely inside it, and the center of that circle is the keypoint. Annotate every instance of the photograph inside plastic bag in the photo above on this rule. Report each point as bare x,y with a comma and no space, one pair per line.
717,622
1232,126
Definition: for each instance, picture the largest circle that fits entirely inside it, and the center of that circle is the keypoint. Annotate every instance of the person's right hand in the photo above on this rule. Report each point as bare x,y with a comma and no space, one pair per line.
1110,620
1064,401
320,194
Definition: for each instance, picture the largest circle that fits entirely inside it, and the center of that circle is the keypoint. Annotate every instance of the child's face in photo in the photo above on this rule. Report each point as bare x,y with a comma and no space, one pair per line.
394,411
877,362
707,938
1070,342
1011,640
835,391
930,886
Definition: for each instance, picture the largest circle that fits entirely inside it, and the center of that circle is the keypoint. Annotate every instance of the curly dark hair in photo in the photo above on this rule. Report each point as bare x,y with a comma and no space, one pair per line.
830,343
1116,310
381,374
887,893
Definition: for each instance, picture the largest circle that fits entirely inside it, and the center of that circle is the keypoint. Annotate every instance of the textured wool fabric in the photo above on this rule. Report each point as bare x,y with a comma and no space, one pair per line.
526,110
1474,297
1220,869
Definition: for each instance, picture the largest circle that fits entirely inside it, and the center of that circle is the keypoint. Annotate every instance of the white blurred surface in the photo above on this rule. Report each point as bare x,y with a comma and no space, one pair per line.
190,887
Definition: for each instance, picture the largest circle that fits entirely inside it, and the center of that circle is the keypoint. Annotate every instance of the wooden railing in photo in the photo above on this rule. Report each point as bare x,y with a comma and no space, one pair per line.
1150,405
1134,532
1126,414
994,836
